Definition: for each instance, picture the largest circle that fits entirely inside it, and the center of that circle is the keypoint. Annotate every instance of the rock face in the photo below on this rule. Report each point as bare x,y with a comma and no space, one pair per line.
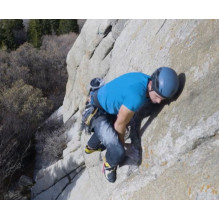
178,141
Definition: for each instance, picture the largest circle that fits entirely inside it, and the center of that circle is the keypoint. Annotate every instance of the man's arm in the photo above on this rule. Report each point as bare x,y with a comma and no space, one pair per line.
123,118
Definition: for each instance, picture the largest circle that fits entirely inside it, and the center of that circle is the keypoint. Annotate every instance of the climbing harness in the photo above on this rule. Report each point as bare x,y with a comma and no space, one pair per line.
92,106
91,115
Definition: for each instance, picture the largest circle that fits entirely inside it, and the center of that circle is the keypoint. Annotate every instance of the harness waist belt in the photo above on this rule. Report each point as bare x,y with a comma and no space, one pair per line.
96,101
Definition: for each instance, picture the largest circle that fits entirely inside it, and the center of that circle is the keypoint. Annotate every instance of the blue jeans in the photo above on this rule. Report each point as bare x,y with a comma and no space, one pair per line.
104,132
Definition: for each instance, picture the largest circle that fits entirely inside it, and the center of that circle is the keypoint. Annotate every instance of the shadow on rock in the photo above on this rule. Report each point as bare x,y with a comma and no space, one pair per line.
134,150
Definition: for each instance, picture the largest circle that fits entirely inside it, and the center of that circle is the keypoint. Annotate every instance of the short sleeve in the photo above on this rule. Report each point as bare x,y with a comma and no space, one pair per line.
133,102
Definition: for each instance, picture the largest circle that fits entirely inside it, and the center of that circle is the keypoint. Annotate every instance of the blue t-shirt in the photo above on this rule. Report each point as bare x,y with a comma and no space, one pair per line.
129,90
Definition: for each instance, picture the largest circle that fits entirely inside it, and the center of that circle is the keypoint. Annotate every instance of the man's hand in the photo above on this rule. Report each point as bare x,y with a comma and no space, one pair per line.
123,118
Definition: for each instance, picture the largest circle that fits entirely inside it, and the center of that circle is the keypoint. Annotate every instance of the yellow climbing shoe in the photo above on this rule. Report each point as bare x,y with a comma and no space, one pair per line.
89,150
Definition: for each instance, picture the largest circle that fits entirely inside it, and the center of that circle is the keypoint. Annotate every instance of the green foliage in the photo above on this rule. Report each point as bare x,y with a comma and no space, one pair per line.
66,26
46,27
34,32
55,25
32,86
40,27
12,33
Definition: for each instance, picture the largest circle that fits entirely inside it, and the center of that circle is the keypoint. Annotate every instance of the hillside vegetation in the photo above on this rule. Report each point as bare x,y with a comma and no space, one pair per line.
32,85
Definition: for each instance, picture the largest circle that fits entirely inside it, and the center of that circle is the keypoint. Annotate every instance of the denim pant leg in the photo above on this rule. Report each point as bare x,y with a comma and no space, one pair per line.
94,142
107,135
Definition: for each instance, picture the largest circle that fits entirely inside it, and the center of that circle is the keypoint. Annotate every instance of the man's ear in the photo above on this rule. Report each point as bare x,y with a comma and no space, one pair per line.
149,85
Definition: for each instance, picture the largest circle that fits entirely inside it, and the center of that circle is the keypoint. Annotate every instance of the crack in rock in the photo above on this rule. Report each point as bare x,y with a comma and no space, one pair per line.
82,166
199,141
161,26
108,51
71,179
107,31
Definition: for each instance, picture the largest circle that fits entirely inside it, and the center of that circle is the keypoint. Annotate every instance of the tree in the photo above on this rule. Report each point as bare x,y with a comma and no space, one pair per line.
39,27
34,32
1,35
32,86
12,33
68,25
23,108
55,25
46,27
8,38
19,32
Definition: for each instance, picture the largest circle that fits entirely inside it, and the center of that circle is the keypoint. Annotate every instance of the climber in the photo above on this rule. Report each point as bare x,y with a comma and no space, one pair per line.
117,101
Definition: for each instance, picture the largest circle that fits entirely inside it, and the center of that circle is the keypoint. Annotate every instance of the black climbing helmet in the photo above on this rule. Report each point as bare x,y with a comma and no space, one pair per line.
165,82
